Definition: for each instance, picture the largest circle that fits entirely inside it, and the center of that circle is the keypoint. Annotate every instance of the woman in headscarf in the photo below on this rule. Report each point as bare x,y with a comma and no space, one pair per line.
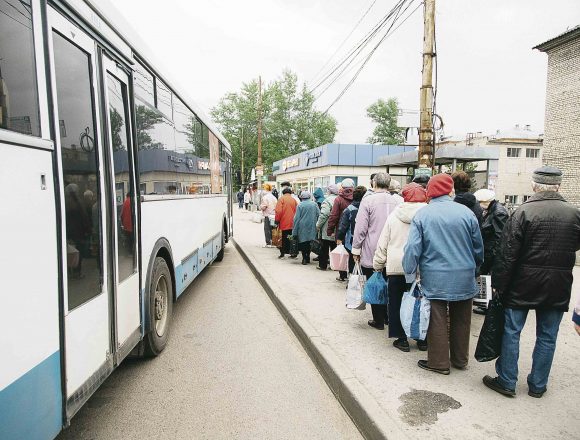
328,241
318,196
268,208
304,229
389,253
343,200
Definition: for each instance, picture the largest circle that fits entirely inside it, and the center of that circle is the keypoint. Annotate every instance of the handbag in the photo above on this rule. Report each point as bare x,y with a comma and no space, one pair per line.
491,335
355,288
415,313
339,259
376,289
277,238
316,246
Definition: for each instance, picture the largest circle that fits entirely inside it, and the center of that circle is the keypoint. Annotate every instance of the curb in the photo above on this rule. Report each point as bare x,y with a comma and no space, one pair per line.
366,413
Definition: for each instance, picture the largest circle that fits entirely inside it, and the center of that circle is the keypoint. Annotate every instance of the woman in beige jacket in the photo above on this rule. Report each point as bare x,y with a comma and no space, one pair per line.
389,253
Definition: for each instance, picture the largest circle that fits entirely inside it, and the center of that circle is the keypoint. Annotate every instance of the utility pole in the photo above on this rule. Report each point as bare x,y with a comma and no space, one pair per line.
259,164
242,150
426,135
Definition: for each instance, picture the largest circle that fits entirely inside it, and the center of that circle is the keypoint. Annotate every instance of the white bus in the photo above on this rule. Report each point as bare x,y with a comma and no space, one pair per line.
116,193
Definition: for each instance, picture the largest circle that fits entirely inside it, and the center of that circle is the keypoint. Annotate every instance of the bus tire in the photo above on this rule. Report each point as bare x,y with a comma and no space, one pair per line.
220,255
160,308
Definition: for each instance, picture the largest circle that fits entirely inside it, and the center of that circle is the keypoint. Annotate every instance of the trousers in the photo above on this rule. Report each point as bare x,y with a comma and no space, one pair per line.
380,315
285,242
267,230
325,247
448,334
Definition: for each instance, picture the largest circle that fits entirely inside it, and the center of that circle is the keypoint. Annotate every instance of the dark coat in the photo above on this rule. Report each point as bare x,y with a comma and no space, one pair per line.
470,201
347,221
342,201
533,267
491,229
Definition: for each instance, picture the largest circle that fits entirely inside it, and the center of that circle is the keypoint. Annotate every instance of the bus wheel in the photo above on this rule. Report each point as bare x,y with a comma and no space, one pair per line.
220,255
160,308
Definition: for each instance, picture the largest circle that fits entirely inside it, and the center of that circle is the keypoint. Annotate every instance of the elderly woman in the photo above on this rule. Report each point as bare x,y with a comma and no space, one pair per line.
285,210
318,195
370,220
304,229
343,200
268,208
462,186
328,240
390,252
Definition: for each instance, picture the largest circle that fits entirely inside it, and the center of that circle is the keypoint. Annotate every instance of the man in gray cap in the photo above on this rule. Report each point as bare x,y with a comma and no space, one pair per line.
533,270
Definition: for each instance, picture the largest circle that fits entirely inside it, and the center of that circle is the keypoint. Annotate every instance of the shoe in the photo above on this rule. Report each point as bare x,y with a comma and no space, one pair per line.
422,345
315,259
281,256
480,311
304,262
376,325
423,364
491,382
340,279
537,395
402,344
293,256
457,367
320,268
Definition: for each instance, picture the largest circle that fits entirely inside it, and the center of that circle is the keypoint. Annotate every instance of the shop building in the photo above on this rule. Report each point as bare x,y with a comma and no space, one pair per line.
332,163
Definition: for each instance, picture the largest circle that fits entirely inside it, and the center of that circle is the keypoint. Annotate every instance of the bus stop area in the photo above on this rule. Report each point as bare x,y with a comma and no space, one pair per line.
382,388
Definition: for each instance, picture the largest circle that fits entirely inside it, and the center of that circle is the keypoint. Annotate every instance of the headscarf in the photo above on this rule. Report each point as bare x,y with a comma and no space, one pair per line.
305,195
414,193
484,195
439,185
332,189
319,195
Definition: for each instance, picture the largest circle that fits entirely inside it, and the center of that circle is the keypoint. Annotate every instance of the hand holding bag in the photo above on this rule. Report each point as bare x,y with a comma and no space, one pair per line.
339,259
376,289
491,335
354,290
277,237
316,246
415,313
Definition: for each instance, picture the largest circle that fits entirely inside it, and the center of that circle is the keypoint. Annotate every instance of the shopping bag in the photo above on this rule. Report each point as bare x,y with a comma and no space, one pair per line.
491,335
316,246
415,313
375,291
257,217
277,237
339,259
355,288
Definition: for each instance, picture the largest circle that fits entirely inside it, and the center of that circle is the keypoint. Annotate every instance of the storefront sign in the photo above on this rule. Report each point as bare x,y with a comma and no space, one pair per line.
178,160
203,165
290,163
312,156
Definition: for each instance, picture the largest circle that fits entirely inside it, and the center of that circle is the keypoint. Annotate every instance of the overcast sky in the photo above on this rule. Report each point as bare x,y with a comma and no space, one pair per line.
489,76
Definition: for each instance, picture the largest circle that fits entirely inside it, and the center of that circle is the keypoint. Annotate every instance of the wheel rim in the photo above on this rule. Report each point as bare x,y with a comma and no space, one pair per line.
160,305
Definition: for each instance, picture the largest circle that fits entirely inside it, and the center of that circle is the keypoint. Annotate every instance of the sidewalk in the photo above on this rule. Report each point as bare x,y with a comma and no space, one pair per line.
383,390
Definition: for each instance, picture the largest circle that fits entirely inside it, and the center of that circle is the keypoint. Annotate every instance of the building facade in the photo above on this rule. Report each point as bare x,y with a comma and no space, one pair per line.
562,119
332,163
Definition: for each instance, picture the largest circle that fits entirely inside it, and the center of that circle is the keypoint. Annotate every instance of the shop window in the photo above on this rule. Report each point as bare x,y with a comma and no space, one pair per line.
19,109
339,179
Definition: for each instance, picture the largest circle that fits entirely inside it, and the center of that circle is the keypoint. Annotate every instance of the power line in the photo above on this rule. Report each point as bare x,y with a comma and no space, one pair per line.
343,41
389,32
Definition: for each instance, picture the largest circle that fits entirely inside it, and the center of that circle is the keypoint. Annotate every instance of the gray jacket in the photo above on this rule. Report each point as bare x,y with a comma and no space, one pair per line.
325,210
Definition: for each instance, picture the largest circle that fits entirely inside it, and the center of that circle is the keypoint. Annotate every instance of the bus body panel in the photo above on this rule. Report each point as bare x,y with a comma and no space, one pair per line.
30,375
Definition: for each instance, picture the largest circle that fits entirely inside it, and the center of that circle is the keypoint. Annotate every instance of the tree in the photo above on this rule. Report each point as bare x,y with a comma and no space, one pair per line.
290,122
117,123
146,120
384,114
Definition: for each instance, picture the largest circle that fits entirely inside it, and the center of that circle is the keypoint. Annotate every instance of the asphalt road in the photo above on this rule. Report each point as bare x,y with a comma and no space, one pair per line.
232,370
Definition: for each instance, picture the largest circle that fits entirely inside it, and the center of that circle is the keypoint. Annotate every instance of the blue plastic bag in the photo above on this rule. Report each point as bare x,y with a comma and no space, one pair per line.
376,289
415,313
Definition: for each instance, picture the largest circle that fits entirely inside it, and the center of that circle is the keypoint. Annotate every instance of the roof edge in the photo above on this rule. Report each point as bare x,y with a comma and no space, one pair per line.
569,35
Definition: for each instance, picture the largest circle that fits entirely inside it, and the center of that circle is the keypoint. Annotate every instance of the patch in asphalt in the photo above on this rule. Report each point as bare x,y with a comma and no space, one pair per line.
422,406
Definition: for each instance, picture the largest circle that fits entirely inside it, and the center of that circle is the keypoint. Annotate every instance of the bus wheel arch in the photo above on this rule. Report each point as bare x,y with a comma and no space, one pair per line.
160,296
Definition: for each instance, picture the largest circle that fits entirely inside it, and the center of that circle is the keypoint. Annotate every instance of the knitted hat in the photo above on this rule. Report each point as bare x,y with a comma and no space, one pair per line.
347,183
547,176
413,192
484,195
439,185
332,189
394,185
305,195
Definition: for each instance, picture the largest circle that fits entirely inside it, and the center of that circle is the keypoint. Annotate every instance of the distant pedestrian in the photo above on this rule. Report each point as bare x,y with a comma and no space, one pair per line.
371,188
275,192
268,208
343,200
304,227
247,199
445,246
240,196
462,186
347,223
370,220
318,196
328,240
285,210
533,270
389,253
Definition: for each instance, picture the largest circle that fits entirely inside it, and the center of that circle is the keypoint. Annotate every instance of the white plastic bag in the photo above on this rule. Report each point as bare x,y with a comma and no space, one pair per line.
339,259
415,313
354,290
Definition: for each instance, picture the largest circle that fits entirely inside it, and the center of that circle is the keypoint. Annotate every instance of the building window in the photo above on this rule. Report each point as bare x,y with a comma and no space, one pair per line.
526,198
512,200
532,152
514,152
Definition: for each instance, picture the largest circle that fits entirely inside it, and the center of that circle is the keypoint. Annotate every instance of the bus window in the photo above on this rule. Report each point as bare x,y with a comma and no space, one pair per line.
164,99
144,84
80,164
18,90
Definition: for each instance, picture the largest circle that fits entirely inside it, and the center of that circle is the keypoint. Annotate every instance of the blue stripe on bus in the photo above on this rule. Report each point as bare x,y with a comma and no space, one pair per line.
31,407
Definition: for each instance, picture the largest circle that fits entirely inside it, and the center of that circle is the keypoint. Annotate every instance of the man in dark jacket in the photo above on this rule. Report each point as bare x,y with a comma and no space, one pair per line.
462,185
347,222
533,270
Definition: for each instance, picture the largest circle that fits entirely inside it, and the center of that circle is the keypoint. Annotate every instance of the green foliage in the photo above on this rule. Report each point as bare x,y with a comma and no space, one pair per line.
384,114
290,122
146,119
116,126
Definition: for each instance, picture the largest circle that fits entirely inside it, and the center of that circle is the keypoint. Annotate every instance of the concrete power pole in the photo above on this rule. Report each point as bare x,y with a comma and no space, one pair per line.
242,151
259,164
426,135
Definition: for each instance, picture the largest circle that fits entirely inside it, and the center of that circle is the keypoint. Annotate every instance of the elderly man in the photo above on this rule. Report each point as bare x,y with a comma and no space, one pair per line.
445,245
370,220
533,270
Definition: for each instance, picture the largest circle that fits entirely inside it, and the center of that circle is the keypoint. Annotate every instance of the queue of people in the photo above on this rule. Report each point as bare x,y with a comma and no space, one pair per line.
437,232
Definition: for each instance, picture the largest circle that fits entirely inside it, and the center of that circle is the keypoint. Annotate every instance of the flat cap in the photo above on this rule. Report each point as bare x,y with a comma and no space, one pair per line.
547,175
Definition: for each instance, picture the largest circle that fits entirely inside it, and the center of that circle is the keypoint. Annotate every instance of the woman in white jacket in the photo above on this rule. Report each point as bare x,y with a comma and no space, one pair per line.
389,253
